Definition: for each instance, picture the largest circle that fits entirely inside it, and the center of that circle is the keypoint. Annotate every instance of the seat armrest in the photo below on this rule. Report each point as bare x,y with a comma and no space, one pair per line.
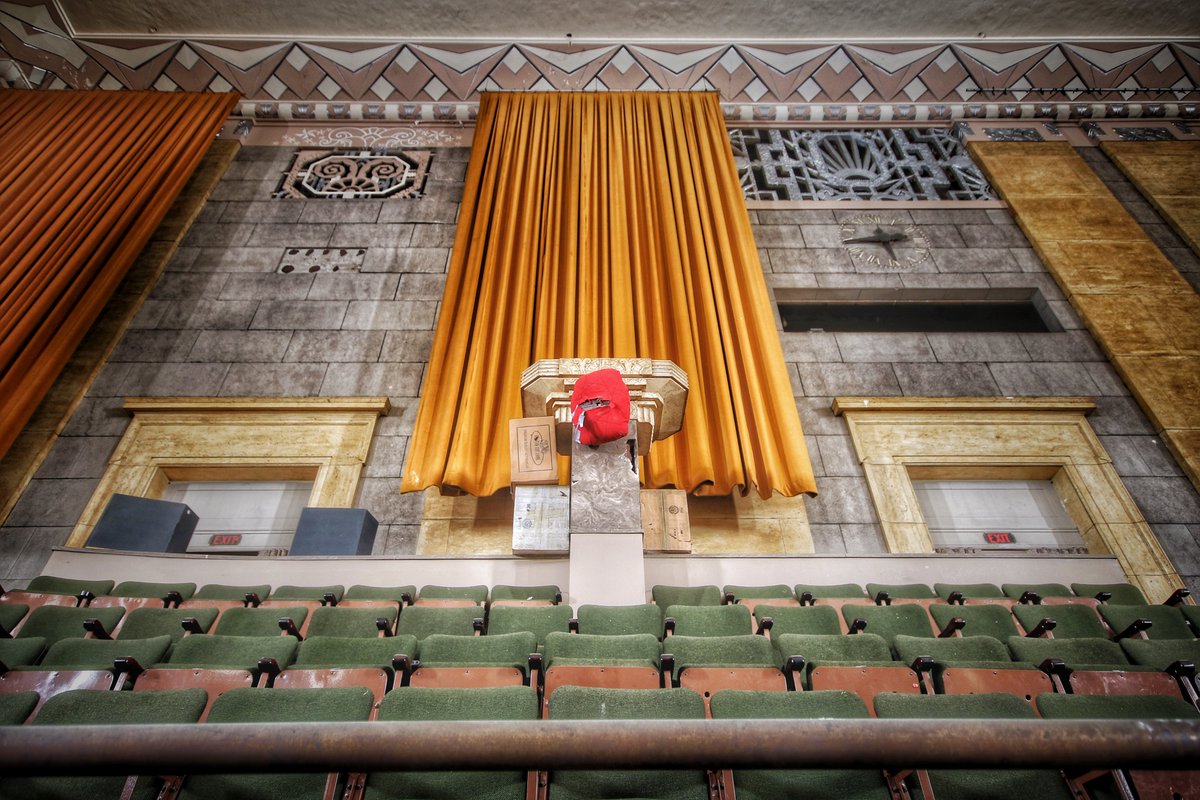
1177,597
1103,597
252,600
1060,674
1135,628
127,667
329,599
172,599
956,599
268,668
669,626
858,625
765,624
666,670
883,599
573,625
1030,598
807,599
1040,630
384,627
791,668
287,626
403,667
191,626
537,671
96,629
406,599
923,666
952,628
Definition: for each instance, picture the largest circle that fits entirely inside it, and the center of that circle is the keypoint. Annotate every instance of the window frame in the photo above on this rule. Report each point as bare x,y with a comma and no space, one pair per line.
897,438
323,439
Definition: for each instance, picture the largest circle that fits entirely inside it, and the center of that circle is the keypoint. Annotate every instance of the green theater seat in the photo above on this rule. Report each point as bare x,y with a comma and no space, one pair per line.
621,620
109,709
800,784
516,703
973,784
584,702
261,707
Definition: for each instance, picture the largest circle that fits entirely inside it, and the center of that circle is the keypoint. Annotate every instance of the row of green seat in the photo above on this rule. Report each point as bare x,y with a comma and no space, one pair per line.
479,594
49,626
1123,593
663,596
348,704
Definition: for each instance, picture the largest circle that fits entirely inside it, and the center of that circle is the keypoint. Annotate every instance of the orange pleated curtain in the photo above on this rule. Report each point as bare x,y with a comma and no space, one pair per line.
88,176
608,225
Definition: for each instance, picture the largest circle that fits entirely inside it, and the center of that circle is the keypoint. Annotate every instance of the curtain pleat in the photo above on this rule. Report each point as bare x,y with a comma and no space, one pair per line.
608,225
89,176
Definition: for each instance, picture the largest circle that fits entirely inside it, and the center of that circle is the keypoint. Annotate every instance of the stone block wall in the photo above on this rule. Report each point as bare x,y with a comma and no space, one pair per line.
225,321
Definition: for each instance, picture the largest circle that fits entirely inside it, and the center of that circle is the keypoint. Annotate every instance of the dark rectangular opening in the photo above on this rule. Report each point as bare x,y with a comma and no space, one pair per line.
915,310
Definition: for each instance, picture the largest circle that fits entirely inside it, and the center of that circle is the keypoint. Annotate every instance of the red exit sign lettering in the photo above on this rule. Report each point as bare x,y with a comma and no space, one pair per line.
999,537
224,539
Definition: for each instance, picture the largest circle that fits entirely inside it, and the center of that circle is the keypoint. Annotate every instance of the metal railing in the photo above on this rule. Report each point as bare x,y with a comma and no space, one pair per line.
606,744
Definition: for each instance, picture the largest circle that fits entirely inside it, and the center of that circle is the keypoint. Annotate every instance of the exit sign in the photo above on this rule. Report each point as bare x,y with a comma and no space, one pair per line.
224,539
999,537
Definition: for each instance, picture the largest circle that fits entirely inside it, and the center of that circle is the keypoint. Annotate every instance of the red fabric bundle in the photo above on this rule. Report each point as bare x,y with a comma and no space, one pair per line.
600,407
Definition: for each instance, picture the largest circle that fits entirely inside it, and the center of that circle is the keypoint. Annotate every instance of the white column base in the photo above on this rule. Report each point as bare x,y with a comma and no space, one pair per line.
607,569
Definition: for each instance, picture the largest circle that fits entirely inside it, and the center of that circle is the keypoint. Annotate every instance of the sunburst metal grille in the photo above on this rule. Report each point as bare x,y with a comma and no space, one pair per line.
881,164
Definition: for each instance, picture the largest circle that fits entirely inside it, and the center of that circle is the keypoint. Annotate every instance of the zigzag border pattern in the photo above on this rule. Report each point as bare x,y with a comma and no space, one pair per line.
799,82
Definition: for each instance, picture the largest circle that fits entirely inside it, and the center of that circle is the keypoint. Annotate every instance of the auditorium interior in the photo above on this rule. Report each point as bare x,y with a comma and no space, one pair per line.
298,304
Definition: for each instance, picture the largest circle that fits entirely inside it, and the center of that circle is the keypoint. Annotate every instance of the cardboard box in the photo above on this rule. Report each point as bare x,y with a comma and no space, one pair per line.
531,450
665,521
541,520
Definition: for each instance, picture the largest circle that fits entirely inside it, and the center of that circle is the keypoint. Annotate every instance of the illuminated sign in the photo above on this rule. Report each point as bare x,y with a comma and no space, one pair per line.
999,537
224,539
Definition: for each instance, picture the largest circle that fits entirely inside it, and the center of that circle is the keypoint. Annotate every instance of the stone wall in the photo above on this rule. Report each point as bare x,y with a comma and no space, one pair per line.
225,321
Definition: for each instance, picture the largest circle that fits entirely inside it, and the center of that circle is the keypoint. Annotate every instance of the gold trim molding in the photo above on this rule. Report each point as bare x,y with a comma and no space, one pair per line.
897,439
325,439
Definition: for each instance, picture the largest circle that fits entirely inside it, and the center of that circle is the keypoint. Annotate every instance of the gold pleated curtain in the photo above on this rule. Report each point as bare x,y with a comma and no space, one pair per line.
88,176
608,225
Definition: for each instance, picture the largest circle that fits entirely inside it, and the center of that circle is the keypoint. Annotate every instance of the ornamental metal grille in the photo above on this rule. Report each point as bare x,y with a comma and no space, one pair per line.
354,174
1144,134
877,164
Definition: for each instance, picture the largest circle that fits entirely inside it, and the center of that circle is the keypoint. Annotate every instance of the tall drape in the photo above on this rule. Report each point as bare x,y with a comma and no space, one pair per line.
88,176
608,225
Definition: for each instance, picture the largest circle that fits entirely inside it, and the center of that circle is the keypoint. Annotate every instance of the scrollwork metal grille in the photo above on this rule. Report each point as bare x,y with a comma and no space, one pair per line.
878,164
351,174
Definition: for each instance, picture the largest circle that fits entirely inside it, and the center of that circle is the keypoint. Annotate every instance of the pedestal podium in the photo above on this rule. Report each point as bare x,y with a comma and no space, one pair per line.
606,515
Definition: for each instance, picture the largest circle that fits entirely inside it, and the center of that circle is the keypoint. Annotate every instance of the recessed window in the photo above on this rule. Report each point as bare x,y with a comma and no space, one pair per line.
915,310
311,449
242,517
996,515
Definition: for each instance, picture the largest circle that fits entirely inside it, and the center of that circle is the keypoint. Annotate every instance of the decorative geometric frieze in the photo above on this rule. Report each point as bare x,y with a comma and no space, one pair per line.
356,80
350,175
876,164
393,137
1013,134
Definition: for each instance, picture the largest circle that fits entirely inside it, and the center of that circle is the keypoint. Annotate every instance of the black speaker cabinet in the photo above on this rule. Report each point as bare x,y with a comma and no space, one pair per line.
139,523
334,532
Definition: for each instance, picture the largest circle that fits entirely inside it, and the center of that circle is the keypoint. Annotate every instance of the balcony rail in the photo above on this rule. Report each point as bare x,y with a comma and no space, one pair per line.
606,744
